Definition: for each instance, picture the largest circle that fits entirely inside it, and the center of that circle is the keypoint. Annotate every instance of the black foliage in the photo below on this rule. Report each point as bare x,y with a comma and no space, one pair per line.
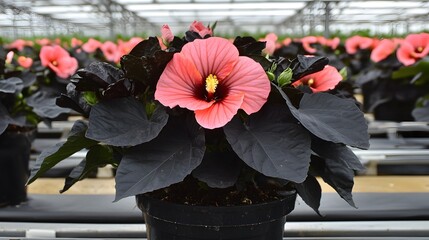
28,78
98,75
311,192
11,85
74,100
302,65
168,159
124,122
176,45
220,168
44,105
146,62
248,46
337,174
272,143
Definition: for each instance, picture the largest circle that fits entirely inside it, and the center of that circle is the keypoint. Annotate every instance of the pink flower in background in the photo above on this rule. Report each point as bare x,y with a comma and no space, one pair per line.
43,41
91,46
199,28
320,81
211,79
353,44
76,42
167,35
126,47
110,51
25,62
58,60
384,48
306,43
413,48
18,44
332,43
270,45
286,41
9,57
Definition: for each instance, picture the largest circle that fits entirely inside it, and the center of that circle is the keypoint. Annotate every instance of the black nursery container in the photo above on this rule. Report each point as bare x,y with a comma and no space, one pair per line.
170,221
14,158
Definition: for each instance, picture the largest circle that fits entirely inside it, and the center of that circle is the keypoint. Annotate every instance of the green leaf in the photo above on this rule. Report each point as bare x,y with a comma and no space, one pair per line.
418,72
90,98
272,142
97,156
50,157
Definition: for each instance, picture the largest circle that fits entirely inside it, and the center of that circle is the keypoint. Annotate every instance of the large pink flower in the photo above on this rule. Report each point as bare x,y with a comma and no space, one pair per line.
270,43
59,60
320,81
167,35
413,48
384,48
211,79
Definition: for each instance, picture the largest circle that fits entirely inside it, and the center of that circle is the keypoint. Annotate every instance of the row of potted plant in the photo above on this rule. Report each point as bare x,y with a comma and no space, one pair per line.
213,137
202,126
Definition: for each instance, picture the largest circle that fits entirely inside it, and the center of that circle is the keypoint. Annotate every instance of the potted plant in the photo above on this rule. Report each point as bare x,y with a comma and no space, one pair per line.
22,107
390,84
213,139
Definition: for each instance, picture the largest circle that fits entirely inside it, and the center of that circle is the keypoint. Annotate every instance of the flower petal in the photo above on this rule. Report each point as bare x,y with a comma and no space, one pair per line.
212,56
179,83
219,113
383,50
404,53
326,79
248,77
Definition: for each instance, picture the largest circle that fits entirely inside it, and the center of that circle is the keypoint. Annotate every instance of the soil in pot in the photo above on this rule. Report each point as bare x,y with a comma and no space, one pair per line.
189,211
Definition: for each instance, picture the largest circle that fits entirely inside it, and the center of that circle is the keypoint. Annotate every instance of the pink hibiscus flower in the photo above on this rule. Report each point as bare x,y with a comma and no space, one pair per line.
58,60
413,48
199,28
43,41
110,51
320,81
91,46
270,45
353,44
76,42
25,62
211,79
18,44
306,43
384,48
167,35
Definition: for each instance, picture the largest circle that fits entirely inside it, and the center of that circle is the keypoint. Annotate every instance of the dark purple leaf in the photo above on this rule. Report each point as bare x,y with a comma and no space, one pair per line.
272,142
311,192
166,160
124,122
44,105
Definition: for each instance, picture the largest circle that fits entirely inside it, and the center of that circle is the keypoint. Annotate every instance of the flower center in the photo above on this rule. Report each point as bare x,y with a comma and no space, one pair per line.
310,82
420,49
211,84
55,63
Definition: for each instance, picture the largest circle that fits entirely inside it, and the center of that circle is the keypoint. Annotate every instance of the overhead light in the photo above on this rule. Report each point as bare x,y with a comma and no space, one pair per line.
215,6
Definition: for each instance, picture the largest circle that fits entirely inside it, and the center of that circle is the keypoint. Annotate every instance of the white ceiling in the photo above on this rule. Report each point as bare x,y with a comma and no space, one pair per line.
129,17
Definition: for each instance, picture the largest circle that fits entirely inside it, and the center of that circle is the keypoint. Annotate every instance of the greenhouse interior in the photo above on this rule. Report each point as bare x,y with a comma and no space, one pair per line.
214,120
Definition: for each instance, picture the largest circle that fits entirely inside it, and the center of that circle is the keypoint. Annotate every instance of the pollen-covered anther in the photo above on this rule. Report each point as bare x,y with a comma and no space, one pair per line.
420,49
211,83
310,82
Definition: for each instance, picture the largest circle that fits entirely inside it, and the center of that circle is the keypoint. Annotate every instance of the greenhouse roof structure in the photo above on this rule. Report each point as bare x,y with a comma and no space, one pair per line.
108,18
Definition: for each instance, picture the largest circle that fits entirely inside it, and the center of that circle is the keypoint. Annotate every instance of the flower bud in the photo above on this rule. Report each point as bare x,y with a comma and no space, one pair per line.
285,77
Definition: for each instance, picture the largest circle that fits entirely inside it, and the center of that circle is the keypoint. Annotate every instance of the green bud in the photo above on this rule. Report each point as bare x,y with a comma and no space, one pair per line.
343,73
90,98
150,109
285,77
271,76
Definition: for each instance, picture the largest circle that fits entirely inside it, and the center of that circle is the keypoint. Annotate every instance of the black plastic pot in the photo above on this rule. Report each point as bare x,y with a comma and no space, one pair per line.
14,157
169,221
